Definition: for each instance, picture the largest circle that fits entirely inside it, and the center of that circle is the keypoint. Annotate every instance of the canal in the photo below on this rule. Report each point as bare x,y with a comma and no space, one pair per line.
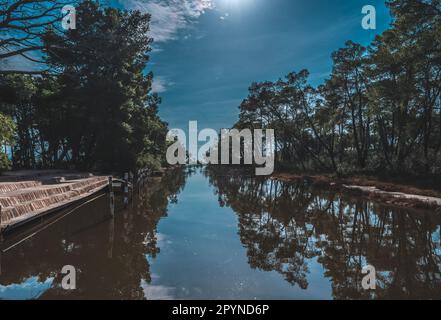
201,234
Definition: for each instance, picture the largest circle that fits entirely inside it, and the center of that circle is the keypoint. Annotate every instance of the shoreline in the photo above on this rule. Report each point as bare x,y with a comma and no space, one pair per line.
388,193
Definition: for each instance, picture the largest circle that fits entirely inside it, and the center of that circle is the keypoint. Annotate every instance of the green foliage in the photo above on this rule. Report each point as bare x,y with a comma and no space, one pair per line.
17,102
7,132
5,163
380,109
94,110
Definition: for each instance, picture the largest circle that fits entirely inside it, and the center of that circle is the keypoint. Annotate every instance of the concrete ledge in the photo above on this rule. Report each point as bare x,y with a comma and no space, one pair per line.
25,200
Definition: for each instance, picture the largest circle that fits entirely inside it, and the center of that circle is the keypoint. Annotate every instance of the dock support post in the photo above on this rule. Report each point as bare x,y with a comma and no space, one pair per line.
126,189
111,197
111,237
132,191
139,181
1,240
1,231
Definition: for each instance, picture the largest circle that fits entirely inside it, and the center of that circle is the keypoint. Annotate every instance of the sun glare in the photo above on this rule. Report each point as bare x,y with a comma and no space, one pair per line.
233,3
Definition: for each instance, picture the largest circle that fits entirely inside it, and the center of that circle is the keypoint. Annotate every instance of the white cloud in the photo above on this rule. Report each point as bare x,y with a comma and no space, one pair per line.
160,84
169,16
225,16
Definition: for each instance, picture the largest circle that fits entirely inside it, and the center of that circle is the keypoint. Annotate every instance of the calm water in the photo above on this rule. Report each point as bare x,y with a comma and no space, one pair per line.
201,235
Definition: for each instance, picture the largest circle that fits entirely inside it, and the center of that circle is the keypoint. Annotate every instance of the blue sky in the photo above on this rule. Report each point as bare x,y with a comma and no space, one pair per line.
208,52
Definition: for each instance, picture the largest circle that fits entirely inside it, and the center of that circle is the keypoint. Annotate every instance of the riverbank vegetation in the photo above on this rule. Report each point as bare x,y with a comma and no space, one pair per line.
379,111
90,107
7,130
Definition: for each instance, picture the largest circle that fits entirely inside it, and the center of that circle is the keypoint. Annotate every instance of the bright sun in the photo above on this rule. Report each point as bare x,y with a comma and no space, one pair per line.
234,3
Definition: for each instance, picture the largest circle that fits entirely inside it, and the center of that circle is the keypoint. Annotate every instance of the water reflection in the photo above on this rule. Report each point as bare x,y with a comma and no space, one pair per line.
285,226
229,237
109,254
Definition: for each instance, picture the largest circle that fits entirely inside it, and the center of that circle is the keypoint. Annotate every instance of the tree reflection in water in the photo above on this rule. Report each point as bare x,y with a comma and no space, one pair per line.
286,225
111,256
288,228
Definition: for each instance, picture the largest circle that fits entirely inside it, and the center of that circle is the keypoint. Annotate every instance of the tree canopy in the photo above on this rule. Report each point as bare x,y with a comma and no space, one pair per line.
95,109
379,110
22,24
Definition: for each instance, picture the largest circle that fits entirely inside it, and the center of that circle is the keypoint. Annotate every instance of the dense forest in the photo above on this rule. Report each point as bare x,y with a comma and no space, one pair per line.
91,107
379,111
89,104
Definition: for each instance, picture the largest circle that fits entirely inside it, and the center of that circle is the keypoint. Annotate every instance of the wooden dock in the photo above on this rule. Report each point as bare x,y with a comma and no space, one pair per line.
25,196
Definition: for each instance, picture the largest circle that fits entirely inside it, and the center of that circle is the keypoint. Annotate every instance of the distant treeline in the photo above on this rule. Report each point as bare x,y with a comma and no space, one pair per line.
379,110
92,108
